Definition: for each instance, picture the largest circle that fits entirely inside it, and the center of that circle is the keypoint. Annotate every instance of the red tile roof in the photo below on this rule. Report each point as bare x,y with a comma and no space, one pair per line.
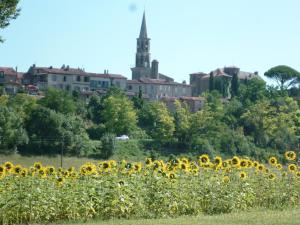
74,71
8,71
155,81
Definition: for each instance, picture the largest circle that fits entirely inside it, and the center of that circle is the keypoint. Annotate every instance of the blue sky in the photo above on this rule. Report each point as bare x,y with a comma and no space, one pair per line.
186,36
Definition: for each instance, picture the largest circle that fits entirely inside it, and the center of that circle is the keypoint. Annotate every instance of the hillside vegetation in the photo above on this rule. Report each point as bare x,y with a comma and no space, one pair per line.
258,122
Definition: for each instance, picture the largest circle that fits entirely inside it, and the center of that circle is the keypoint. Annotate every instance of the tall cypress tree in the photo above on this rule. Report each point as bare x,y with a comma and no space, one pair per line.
235,85
211,82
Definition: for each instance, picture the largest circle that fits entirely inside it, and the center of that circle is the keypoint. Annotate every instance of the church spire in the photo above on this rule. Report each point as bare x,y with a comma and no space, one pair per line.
143,32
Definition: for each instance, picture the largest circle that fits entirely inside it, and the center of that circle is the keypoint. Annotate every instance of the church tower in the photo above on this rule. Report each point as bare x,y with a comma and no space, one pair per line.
142,67
142,58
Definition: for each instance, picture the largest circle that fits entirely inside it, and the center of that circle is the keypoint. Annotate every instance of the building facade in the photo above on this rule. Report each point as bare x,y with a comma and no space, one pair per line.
222,78
10,79
71,79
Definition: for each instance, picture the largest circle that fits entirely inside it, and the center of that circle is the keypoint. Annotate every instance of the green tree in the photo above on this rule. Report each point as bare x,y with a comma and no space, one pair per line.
284,76
108,145
94,109
274,123
157,121
182,117
8,12
49,132
253,91
235,85
12,133
118,115
58,100
211,82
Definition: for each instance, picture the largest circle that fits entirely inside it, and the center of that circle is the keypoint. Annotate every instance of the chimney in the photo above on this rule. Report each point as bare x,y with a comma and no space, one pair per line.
68,67
154,70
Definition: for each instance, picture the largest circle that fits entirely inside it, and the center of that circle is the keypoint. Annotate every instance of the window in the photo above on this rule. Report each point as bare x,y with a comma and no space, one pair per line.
130,87
93,83
78,78
65,78
68,87
86,79
118,83
53,77
1,74
104,84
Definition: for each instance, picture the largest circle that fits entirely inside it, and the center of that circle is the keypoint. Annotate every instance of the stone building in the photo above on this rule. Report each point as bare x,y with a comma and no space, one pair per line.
71,79
146,76
222,76
10,79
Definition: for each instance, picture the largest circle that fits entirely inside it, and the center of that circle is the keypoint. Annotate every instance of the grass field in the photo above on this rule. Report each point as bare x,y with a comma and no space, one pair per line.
257,217
45,160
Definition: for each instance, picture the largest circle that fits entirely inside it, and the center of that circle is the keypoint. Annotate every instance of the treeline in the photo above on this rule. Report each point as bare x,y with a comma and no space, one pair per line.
259,121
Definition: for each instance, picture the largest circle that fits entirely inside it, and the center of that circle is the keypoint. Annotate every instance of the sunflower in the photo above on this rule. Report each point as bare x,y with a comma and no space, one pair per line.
184,160
172,175
290,155
235,161
50,170
71,169
255,164
204,159
112,163
250,163
273,161
226,179
8,166
137,167
292,168
106,165
24,172
279,166
42,173
218,161
244,163
17,169
2,175
284,174
148,161
2,169
225,164
261,167
298,174
183,166
272,176
243,175
37,165
60,181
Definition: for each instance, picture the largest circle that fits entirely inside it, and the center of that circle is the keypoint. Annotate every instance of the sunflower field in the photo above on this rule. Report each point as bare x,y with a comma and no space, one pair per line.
150,189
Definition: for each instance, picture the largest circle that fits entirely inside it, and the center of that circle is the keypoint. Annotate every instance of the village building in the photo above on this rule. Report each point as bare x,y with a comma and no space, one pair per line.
10,80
